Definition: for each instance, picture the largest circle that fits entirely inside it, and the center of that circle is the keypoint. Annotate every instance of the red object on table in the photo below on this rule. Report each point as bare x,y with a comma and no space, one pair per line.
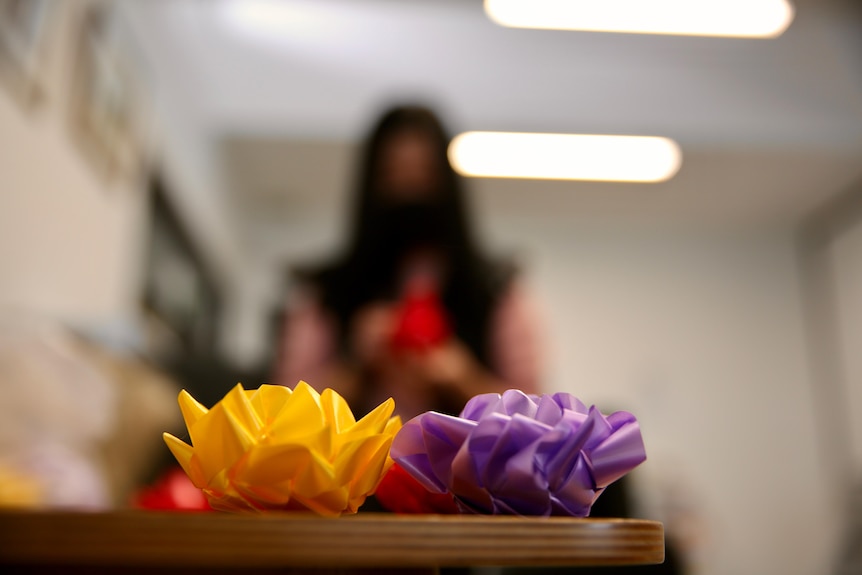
174,491
422,321
399,492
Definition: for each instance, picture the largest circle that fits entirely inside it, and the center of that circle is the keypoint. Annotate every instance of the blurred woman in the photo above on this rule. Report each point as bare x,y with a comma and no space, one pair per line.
411,237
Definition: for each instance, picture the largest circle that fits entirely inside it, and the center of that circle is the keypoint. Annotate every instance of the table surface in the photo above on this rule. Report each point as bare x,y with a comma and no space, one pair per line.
289,540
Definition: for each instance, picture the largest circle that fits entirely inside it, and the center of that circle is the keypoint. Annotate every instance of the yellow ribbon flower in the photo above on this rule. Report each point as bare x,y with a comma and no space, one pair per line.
273,448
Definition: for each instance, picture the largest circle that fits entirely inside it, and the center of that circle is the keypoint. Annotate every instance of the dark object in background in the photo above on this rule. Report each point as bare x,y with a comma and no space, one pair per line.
615,501
181,297
850,558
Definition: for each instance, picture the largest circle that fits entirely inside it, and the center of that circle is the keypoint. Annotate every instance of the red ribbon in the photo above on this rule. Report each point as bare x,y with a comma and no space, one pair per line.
174,491
400,493
421,322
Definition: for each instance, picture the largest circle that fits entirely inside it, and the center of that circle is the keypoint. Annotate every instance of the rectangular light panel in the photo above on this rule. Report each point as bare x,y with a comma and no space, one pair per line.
565,156
731,18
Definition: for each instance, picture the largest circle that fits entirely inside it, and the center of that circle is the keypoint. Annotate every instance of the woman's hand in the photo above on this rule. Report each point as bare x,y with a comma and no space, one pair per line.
451,370
445,375
371,332
447,365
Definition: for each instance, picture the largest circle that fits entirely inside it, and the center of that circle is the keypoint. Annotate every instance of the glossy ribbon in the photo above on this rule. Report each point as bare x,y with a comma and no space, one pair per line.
173,491
401,493
273,448
521,454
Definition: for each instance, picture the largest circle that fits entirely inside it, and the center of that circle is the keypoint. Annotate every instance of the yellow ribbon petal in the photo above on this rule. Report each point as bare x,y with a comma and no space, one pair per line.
336,411
184,453
268,400
329,503
192,410
300,416
373,423
237,404
271,464
215,442
357,456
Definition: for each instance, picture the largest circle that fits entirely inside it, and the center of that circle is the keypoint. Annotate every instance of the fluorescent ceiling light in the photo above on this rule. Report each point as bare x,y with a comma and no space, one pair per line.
565,156
734,18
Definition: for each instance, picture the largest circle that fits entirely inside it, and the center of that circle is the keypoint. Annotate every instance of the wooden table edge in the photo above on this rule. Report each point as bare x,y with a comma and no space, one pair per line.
271,540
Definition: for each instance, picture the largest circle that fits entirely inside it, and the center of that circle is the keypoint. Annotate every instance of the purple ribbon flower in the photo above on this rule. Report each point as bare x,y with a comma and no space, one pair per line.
520,454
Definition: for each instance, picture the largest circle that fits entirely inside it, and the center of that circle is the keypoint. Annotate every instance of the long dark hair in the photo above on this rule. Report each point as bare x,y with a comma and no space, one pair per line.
366,270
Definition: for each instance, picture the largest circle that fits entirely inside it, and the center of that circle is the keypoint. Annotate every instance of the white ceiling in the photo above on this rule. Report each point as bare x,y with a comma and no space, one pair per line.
348,56
768,128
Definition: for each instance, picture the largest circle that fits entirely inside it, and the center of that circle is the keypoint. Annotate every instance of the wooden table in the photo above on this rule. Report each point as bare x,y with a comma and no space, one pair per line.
141,542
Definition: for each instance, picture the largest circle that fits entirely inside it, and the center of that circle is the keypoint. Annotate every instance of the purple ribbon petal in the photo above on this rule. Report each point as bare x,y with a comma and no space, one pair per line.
482,405
518,402
427,444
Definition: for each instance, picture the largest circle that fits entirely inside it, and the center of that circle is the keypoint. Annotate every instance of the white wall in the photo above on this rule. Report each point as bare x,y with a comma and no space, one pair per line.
700,336
69,240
